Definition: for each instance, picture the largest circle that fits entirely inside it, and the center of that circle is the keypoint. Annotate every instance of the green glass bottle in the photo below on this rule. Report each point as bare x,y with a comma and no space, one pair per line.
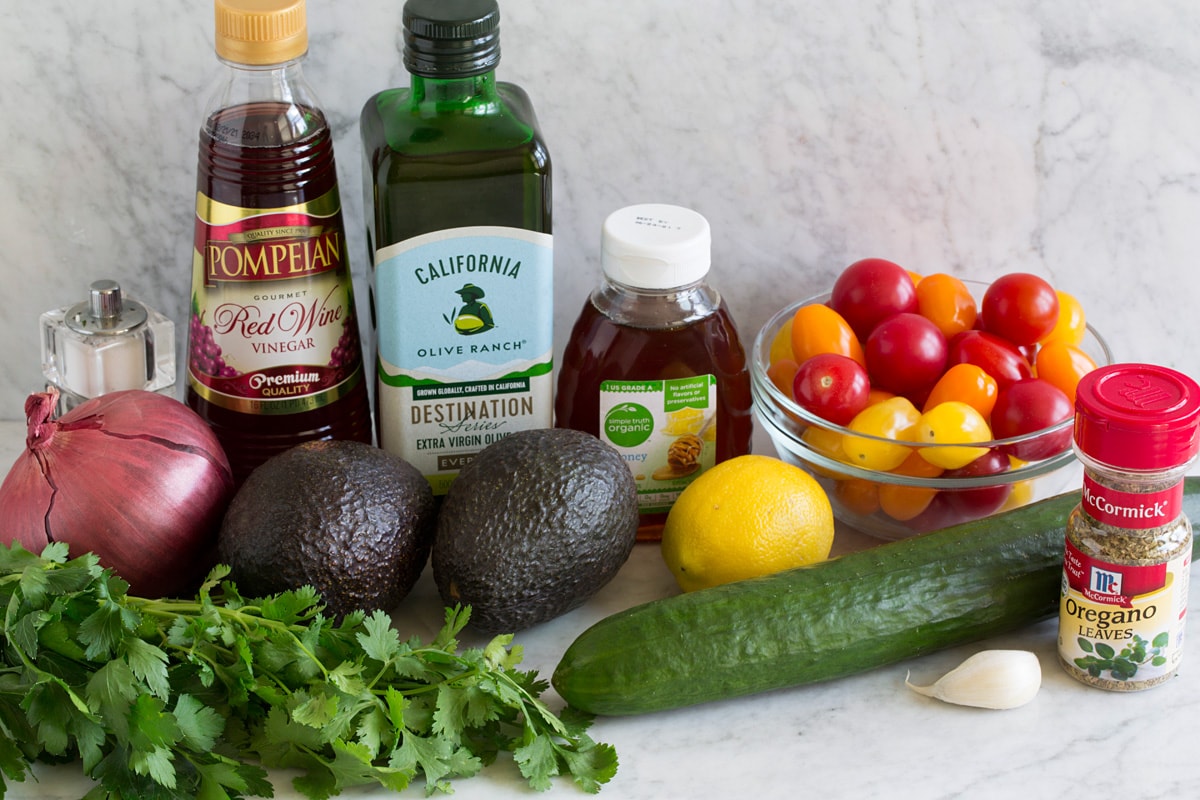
457,182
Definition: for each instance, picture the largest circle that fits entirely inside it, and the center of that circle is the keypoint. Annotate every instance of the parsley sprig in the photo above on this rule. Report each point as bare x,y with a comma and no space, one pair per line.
194,698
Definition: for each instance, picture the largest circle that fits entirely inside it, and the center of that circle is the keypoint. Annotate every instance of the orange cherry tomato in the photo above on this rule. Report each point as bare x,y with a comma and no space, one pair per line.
966,383
817,329
782,373
1062,365
946,301
906,502
857,495
1072,323
878,396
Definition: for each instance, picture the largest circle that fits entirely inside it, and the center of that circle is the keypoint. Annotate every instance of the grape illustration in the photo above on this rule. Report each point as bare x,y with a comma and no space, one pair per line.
204,352
346,352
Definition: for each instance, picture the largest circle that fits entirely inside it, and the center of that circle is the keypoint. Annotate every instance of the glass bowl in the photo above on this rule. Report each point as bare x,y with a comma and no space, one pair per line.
808,441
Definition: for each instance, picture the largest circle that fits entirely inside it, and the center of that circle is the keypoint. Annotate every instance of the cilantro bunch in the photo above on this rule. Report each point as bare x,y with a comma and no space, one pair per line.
195,698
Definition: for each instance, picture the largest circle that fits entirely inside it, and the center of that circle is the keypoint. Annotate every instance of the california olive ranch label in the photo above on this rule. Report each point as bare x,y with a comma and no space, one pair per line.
464,342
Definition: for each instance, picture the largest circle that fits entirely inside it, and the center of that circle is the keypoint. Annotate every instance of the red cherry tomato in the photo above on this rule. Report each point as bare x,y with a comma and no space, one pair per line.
983,500
869,291
906,354
832,386
1019,307
1027,406
994,355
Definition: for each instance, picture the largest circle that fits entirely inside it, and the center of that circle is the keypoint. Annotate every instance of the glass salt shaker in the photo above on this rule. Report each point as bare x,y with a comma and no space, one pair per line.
107,343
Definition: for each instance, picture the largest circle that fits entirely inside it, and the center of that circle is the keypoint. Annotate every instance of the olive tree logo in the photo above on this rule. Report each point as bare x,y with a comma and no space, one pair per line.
628,424
474,317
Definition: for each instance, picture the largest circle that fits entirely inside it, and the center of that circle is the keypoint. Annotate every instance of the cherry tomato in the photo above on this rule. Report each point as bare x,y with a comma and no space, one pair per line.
891,422
1071,324
781,345
1019,307
982,500
952,423
946,301
783,373
833,387
906,354
1028,406
857,495
905,502
817,329
825,442
1063,364
871,290
966,383
994,355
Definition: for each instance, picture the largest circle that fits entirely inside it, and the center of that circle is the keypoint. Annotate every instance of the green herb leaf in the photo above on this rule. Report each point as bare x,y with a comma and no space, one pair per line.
193,697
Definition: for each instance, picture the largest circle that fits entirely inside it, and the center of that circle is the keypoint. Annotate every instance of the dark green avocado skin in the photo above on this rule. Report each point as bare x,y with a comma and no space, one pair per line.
353,521
533,527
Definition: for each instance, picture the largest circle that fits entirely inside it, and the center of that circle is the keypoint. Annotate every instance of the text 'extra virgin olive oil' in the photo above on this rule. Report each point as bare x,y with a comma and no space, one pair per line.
274,354
457,182
654,366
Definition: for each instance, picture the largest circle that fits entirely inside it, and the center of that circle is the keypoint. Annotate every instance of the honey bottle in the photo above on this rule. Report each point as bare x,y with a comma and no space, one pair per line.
654,366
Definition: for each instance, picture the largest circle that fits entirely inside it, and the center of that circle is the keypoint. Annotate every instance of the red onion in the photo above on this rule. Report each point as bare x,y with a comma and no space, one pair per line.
135,477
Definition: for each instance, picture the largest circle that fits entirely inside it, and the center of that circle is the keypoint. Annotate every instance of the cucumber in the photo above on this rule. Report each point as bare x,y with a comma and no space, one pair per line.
840,617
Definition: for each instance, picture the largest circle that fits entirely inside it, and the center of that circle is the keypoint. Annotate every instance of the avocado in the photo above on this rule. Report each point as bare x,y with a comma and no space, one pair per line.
353,521
536,524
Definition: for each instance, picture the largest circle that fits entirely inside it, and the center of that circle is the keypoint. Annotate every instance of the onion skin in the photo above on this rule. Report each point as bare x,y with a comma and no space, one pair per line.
135,477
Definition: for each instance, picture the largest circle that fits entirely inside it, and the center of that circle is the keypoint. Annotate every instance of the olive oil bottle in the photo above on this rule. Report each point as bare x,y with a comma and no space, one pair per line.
457,185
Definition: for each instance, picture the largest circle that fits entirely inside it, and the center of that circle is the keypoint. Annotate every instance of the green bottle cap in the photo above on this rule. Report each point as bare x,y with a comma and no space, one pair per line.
451,38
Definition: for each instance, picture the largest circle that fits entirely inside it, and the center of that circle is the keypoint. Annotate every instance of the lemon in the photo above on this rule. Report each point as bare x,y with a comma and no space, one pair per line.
748,516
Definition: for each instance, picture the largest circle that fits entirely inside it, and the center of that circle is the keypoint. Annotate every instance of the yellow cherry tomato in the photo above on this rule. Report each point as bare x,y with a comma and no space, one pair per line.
1072,322
891,422
825,442
906,502
1062,364
952,423
968,384
781,345
818,329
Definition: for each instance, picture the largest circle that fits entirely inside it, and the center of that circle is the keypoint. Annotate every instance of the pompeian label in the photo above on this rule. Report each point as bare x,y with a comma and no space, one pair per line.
1130,510
272,327
665,430
464,334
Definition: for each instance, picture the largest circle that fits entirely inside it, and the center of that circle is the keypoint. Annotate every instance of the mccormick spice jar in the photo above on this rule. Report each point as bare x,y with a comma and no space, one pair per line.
1128,543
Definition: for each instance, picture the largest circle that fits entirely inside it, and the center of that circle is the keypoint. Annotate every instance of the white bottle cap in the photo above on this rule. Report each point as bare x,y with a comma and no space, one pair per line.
655,246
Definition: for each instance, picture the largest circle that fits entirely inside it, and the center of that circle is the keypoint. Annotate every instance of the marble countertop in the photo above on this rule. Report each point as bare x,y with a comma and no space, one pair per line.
864,736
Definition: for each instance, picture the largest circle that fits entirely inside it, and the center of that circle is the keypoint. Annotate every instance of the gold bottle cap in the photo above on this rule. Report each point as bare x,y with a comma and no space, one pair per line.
258,32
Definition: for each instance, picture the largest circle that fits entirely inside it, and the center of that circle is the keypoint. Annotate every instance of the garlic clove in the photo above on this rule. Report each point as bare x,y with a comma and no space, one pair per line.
998,679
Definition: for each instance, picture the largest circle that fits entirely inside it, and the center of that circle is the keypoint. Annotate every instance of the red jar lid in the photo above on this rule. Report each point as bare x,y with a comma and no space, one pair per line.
1138,416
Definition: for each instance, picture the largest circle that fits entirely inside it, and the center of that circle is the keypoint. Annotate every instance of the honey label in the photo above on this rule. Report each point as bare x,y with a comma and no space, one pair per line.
272,327
1121,626
465,352
665,430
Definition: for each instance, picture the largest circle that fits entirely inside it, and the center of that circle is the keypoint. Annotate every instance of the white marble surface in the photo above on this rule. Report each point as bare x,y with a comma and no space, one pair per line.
976,138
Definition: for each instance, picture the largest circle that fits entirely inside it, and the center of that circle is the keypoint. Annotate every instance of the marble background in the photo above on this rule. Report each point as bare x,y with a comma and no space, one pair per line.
977,138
